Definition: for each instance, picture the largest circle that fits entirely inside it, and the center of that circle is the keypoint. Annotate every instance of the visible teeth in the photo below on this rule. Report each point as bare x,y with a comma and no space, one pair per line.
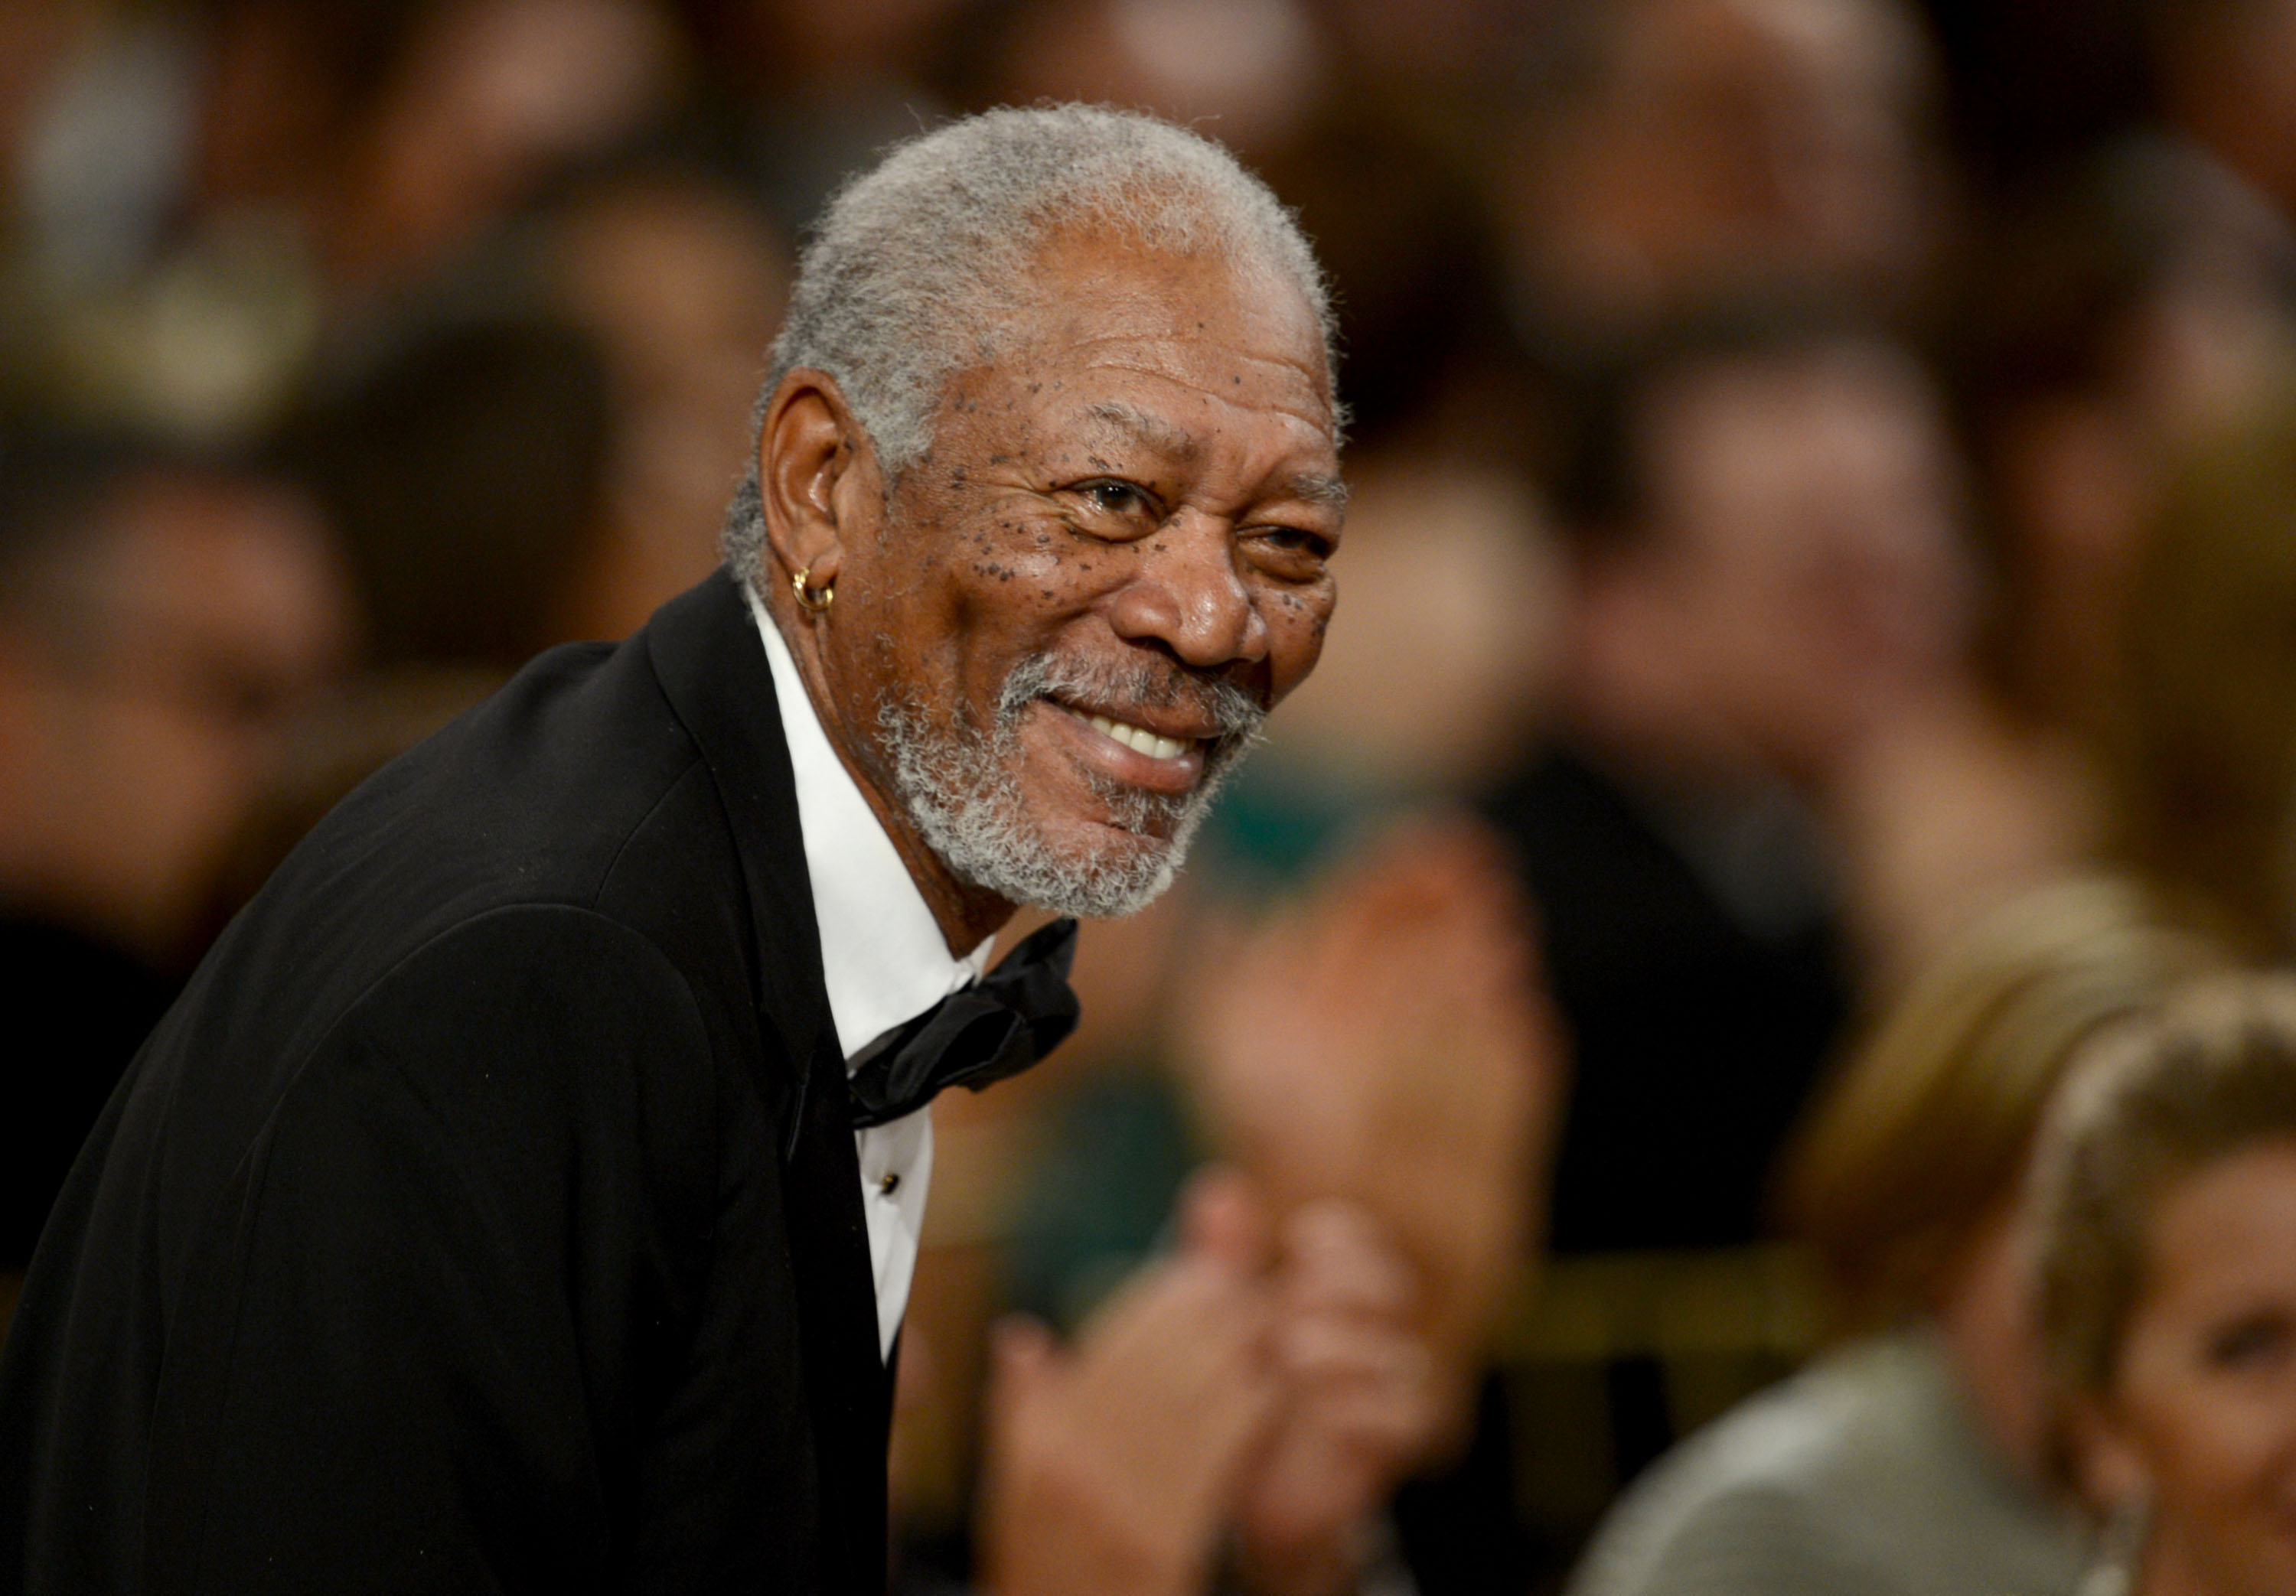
1139,739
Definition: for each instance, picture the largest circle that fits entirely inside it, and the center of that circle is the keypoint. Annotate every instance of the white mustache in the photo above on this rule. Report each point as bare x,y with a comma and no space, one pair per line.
1238,717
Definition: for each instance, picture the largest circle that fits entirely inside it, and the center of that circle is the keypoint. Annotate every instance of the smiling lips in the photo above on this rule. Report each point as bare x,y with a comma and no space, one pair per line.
1140,739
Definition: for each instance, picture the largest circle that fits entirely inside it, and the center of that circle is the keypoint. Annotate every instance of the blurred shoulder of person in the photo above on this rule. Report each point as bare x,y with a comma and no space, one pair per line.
2167,1190
1912,1457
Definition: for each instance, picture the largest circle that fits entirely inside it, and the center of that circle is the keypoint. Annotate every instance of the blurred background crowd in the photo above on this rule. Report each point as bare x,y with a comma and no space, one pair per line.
1824,488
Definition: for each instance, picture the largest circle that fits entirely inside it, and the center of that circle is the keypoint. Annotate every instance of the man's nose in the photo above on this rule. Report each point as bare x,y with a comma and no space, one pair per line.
1190,596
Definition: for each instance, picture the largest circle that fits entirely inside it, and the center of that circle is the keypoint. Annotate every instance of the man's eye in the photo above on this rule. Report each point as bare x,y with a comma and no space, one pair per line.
1118,498
1294,542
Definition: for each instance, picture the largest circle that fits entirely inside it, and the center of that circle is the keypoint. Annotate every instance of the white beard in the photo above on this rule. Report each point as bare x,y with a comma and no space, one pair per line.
961,793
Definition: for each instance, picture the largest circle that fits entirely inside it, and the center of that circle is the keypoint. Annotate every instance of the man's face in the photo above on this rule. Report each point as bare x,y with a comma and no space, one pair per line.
1111,562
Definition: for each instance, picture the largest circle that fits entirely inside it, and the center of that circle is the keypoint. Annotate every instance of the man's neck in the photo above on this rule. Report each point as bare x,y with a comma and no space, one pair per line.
966,914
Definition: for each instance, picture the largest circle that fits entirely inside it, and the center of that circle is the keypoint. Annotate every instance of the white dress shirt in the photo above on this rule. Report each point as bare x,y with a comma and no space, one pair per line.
883,961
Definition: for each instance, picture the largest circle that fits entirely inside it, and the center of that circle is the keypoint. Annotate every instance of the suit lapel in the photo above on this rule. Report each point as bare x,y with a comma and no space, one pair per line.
713,668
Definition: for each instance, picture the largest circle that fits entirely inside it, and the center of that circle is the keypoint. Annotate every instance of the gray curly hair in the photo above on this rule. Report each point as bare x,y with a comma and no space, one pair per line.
920,265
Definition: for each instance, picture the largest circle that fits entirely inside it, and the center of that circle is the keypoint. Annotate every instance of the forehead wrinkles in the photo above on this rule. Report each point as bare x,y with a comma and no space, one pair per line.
1130,394
1128,363
1256,374
1199,320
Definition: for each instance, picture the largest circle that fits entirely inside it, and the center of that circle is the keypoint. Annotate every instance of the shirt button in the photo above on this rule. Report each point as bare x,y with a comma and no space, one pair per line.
891,1184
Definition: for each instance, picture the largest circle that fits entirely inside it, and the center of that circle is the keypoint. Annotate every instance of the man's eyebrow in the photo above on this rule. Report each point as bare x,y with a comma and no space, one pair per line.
1153,430
1316,487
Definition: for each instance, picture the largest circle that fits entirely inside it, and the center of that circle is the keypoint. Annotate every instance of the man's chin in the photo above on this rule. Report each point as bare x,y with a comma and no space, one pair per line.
1090,864
1097,869
1036,822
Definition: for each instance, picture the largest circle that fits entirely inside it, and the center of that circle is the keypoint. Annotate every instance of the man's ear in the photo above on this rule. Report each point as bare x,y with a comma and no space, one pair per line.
817,477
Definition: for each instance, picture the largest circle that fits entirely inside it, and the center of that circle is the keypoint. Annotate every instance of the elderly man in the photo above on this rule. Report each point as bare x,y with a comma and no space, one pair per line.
524,1194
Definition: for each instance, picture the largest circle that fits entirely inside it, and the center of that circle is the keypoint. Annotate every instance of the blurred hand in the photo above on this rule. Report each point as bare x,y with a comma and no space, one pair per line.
1388,1041
1110,1467
1358,1405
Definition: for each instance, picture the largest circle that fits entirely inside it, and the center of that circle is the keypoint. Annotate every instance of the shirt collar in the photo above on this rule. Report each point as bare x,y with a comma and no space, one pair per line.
883,959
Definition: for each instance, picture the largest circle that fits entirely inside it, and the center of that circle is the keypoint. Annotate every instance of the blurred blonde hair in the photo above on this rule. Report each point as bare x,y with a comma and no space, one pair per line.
2210,1075
1921,1138
2202,754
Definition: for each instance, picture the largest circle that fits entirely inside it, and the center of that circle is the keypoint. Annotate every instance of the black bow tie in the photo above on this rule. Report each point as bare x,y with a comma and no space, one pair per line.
995,1028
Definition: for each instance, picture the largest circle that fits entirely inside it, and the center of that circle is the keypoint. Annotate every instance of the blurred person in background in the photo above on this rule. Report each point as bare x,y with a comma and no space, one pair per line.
1257,69
1160,1455
2201,761
214,195
1672,152
2110,328
808,91
1913,1458
465,471
1766,569
681,279
481,473
483,102
1374,1068
162,622
538,458
1384,1040
1767,576
2168,1197
2224,87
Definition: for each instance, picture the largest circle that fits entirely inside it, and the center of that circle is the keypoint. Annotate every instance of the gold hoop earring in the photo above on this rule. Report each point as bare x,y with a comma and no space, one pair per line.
806,598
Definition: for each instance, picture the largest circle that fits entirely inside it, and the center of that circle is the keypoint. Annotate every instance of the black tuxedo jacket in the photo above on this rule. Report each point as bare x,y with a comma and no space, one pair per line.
484,1215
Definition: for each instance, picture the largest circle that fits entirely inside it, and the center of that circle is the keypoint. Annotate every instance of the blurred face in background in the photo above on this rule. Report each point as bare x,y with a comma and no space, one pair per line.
1730,142
1807,540
140,712
683,283
490,98
1253,69
2201,1417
